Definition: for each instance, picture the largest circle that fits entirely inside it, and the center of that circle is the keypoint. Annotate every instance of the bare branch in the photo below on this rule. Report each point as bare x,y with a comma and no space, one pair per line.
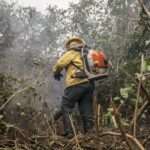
144,8
133,139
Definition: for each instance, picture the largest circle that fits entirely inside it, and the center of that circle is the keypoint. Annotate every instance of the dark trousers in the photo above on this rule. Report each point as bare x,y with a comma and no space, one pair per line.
81,94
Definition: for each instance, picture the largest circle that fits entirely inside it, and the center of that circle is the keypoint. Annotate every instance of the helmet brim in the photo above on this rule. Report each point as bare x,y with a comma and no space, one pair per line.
76,39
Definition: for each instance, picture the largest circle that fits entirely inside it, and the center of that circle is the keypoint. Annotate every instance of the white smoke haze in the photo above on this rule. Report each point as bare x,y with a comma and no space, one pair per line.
42,5
28,47
31,39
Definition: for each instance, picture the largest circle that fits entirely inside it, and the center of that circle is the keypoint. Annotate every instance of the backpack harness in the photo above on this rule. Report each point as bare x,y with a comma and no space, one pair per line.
92,61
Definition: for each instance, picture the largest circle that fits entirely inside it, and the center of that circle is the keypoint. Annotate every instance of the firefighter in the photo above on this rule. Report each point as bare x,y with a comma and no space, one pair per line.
78,88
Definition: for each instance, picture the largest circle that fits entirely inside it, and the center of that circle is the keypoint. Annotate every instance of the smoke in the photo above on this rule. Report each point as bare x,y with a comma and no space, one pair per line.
28,47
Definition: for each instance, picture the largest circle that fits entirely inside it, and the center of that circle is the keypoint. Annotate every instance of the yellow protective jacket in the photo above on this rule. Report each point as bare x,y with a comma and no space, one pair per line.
64,62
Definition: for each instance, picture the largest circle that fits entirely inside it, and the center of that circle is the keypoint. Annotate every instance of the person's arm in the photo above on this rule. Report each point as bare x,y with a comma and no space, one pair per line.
62,63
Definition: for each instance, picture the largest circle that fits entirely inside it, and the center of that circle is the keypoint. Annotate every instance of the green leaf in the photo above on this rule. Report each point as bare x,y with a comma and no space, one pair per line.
116,98
125,92
148,68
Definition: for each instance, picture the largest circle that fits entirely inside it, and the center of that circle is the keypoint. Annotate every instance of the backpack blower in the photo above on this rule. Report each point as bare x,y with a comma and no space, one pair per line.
95,63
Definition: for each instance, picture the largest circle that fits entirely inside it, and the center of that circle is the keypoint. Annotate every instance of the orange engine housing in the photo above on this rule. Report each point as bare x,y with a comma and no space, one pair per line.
98,58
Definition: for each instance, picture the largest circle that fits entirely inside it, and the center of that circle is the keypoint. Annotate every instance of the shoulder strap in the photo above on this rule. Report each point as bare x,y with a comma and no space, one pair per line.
72,63
82,58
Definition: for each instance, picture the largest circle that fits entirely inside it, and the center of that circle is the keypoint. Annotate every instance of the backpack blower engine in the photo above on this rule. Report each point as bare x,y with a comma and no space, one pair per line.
95,63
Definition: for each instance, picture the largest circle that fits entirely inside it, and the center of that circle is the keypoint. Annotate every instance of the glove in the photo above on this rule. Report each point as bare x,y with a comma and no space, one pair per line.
57,76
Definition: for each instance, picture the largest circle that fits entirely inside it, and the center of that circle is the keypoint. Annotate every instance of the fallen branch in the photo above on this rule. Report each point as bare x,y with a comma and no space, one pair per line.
75,134
147,74
138,96
119,124
143,107
2,107
140,112
19,130
13,96
146,140
133,139
136,107
145,92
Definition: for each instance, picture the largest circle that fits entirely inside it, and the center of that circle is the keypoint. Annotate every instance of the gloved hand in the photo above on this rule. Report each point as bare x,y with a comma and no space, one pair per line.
57,76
